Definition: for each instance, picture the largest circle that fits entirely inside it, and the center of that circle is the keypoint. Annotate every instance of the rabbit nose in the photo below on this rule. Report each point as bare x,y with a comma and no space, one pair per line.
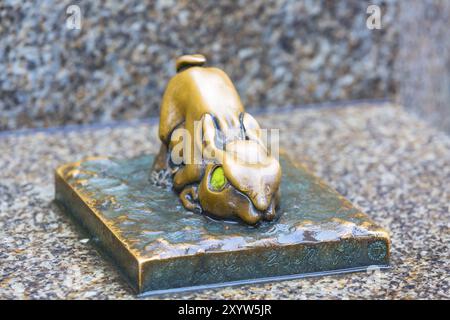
261,202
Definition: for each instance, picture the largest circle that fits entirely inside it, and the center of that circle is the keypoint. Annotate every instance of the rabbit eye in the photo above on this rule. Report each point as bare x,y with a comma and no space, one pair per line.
218,180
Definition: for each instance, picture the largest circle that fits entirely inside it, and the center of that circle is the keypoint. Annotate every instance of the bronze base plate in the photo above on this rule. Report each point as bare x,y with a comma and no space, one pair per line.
160,247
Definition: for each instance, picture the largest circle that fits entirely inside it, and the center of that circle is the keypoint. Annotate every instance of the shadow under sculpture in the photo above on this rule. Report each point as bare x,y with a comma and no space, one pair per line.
287,223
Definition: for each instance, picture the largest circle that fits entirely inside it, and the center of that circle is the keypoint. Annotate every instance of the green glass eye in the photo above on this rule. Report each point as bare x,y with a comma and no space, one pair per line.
218,179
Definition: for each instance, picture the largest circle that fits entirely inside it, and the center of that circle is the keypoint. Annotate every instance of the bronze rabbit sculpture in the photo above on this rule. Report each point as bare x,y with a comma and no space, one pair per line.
213,149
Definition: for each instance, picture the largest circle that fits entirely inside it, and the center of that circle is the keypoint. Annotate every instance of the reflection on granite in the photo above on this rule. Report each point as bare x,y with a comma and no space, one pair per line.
390,164
423,60
284,52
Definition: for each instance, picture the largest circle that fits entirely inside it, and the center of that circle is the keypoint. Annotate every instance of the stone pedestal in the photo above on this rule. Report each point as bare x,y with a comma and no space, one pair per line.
159,246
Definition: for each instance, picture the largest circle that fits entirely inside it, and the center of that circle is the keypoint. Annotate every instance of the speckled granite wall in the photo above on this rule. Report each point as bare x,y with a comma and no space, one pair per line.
279,53
423,62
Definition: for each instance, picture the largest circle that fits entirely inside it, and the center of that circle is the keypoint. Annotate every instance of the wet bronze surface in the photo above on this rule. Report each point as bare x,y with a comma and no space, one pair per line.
157,244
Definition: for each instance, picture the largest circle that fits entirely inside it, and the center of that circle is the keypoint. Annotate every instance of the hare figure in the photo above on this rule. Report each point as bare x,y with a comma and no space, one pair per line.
213,149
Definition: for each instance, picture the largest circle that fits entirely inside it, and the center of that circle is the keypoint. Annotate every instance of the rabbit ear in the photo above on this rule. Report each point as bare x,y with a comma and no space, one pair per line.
210,150
251,127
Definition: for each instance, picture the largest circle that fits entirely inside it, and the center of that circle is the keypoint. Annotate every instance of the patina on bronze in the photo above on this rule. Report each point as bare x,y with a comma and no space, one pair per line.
226,135
303,227
158,245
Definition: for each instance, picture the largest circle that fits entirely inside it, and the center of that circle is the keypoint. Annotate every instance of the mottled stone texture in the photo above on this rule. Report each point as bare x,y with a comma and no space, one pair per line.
388,163
423,63
285,52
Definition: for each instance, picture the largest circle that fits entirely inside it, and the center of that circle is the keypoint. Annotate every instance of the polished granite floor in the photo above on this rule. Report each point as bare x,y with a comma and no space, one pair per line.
392,165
